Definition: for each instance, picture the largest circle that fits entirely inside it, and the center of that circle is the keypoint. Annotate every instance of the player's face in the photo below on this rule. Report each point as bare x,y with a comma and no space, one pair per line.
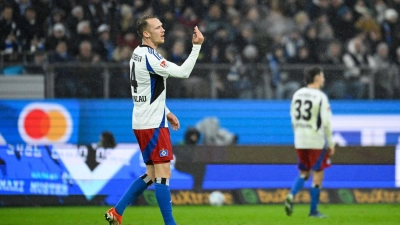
155,31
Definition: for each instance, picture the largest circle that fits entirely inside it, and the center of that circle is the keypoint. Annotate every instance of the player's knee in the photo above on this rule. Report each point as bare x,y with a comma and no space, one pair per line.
162,180
147,179
314,185
305,176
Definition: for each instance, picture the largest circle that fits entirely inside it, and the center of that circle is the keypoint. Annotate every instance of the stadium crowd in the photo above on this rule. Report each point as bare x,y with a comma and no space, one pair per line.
362,37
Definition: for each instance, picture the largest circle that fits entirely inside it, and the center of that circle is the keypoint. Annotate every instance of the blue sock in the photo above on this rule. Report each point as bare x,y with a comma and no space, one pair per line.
297,185
314,193
134,191
163,195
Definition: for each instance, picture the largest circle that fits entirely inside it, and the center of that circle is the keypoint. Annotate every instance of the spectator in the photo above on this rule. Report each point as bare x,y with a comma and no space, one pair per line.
161,7
292,42
217,44
127,20
39,64
96,11
231,8
391,31
283,87
302,21
358,63
324,29
334,54
84,33
343,25
334,57
32,32
10,31
251,82
303,56
74,18
120,75
105,47
277,24
318,7
23,5
214,19
367,23
66,80
178,52
245,37
312,41
189,18
57,17
387,80
43,10
89,77
57,36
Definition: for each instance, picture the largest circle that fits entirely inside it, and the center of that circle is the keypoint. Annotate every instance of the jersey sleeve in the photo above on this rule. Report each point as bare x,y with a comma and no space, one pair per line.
166,68
326,116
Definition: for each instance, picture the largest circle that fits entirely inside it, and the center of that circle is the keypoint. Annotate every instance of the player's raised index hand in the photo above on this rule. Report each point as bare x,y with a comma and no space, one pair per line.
197,36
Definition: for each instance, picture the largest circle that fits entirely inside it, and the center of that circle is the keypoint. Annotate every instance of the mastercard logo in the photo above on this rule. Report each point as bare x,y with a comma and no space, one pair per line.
43,123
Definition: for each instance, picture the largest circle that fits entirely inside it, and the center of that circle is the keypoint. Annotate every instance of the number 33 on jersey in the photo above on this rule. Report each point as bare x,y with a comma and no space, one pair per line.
311,115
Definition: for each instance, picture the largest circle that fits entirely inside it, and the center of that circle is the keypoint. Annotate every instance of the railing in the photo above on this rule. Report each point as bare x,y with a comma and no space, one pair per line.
253,81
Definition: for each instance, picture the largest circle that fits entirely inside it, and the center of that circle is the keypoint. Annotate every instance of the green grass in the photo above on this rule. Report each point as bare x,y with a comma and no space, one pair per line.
356,214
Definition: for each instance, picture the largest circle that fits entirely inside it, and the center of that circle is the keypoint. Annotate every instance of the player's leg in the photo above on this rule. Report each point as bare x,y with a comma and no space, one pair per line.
304,166
315,191
114,214
296,187
320,161
298,183
163,193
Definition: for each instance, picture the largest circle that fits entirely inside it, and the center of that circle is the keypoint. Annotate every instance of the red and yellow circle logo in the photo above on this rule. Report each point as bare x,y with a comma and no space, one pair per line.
43,123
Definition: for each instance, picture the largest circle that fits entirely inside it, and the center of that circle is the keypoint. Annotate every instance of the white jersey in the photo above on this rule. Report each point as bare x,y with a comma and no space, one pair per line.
149,71
311,114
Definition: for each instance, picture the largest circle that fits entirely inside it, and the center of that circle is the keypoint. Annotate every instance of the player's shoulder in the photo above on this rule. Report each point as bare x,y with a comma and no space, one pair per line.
149,52
306,92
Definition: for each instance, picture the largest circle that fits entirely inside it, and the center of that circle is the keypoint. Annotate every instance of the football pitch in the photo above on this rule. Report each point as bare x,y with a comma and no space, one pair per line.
341,214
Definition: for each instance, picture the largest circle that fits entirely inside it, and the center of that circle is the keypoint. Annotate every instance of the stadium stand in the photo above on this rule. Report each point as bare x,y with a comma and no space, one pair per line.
262,45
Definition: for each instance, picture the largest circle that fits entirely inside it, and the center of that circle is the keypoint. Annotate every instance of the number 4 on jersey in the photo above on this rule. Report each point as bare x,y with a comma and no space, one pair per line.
133,79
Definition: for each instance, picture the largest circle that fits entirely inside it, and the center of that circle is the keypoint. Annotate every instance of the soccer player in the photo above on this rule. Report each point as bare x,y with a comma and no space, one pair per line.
311,121
149,71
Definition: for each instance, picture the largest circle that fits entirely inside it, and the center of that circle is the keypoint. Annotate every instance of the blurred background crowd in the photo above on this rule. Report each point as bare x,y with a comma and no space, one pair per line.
260,46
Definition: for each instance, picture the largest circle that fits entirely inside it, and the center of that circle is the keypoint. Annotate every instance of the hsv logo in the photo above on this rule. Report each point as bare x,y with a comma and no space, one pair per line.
44,123
163,152
163,64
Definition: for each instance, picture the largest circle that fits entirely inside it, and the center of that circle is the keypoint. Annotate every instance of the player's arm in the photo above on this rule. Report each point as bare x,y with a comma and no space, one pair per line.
172,119
186,68
326,116
166,68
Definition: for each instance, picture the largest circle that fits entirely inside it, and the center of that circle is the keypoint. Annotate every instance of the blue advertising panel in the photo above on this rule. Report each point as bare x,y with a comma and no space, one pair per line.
68,169
255,122
39,122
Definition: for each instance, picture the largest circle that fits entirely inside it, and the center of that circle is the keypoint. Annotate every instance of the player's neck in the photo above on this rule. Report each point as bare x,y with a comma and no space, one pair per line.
314,86
149,43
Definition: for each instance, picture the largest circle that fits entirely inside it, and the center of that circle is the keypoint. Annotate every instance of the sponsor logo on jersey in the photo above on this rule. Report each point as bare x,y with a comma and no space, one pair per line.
136,57
163,64
139,98
163,153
